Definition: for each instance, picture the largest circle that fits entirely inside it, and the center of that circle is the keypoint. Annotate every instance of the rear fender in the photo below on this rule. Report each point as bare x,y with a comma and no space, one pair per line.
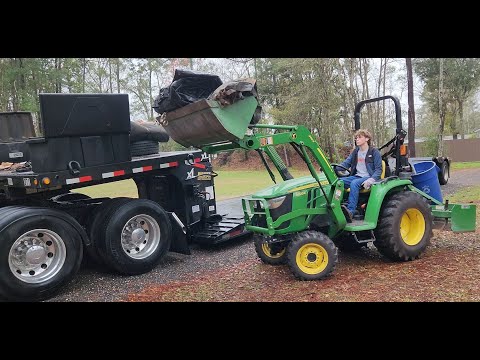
377,197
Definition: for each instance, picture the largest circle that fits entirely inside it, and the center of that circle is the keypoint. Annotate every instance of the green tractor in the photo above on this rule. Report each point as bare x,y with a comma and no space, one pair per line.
299,221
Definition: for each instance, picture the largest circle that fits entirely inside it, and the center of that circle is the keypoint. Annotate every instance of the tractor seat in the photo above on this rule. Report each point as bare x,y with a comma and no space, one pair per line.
384,167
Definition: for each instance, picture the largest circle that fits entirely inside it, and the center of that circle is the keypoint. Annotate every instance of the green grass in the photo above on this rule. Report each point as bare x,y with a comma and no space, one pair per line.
124,188
465,165
228,184
466,196
471,193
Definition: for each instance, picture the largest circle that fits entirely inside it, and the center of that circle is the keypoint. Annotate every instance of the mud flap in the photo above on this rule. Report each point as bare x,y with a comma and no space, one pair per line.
179,236
463,217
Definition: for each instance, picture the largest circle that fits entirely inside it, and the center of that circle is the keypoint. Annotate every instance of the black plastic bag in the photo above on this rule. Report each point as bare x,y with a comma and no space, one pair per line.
187,87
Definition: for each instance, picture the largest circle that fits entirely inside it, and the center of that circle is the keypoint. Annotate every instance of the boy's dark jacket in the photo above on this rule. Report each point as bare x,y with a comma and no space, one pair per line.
373,160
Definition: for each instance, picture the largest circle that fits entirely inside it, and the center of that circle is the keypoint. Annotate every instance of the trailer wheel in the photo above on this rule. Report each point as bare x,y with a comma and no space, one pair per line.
311,255
444,173
271,254
135,236
404,227
94,226
41,251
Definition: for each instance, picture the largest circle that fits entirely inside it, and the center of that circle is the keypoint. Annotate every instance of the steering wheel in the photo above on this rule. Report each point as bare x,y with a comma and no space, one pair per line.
340,173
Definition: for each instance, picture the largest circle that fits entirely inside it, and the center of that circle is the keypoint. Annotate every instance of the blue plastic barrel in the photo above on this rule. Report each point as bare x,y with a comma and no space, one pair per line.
426,179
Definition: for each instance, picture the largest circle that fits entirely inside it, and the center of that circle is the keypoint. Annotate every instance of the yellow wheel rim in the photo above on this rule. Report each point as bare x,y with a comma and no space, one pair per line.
312,258
412,226
266,251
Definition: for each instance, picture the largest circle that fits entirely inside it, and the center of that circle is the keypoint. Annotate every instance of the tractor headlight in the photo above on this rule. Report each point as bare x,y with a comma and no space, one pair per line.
276,202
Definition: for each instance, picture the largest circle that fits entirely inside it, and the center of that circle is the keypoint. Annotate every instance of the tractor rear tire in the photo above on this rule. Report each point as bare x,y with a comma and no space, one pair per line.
264,251
404,227
311,255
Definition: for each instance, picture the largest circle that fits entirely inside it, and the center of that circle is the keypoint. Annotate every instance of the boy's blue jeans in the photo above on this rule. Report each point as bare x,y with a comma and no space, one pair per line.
355,184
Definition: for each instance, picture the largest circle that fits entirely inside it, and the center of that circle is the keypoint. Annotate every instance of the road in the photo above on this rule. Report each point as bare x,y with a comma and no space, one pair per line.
94,284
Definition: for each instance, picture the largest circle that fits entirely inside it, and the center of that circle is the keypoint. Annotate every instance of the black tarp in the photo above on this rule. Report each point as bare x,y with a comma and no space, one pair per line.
187,87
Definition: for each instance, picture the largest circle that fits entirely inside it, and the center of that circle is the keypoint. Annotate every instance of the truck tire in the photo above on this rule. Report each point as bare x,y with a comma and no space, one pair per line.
444,173
144,147
404,227
311,255
264,251
135,236
94,226
41,251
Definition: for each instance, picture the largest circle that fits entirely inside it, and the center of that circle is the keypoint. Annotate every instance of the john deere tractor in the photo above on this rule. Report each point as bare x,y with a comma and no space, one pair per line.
299,221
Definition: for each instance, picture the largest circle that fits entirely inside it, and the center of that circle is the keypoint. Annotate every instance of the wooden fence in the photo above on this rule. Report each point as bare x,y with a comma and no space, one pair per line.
459,150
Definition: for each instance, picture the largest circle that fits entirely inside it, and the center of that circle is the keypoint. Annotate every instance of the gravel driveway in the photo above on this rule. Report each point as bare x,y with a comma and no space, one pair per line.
96,285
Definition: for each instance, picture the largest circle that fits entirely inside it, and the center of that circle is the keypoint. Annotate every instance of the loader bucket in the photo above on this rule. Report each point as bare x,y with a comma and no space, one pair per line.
206,122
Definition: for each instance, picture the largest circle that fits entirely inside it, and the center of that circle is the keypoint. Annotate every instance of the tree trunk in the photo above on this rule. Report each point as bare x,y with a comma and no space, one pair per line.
441,125
14,103
377,130
118,74
366,92
110,81
460,112
84,73
411,109
384,125
58,75
287,158
150,90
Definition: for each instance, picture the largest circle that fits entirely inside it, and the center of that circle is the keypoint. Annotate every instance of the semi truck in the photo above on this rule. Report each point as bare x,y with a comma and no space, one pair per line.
46,228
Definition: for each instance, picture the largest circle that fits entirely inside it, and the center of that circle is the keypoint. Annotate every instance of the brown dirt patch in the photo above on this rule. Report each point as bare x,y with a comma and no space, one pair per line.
448,271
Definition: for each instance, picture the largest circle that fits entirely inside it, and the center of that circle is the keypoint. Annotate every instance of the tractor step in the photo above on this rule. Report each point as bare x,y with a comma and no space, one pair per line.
368,236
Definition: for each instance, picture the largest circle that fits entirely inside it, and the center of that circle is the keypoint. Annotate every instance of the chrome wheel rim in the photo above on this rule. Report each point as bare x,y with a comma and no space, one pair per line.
37,256
140,236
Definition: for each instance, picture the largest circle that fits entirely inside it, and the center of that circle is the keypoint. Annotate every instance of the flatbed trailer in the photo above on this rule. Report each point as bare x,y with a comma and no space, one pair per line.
46,228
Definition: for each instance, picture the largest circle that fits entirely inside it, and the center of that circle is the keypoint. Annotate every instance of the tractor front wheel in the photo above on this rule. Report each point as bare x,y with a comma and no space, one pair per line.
404,227
311,255
271,254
